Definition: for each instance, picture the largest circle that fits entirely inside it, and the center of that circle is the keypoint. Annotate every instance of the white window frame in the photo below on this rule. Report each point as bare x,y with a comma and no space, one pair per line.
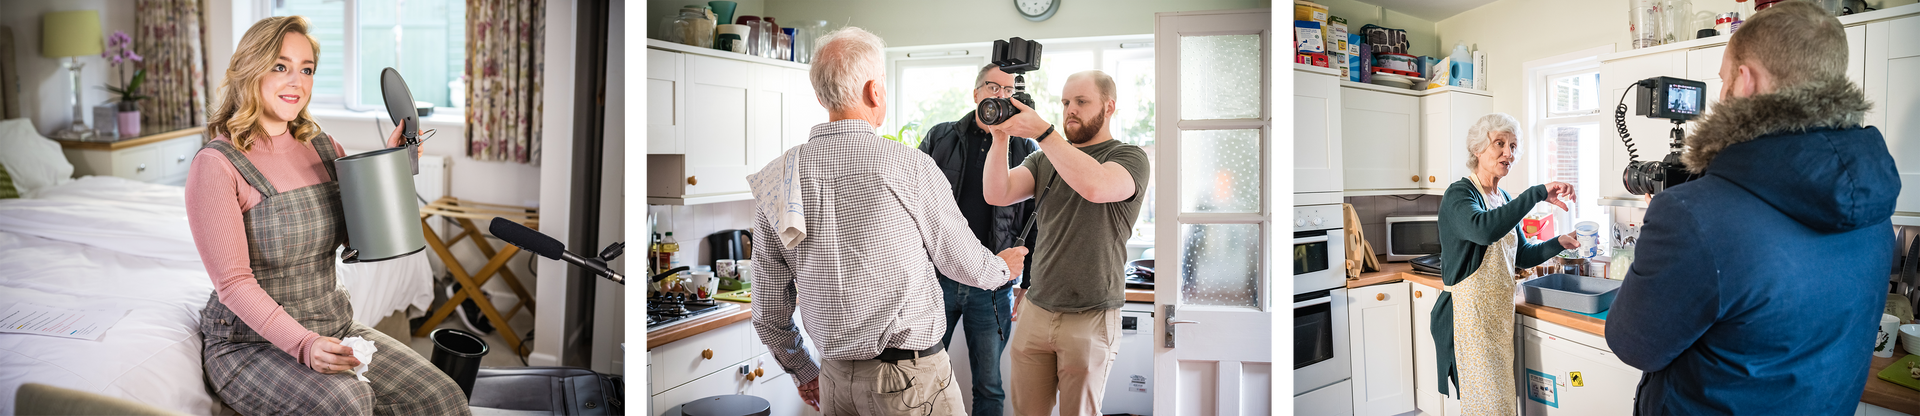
1541,119
350,97
980,53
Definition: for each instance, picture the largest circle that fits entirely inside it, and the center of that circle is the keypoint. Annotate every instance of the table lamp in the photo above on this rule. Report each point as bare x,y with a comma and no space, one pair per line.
72,34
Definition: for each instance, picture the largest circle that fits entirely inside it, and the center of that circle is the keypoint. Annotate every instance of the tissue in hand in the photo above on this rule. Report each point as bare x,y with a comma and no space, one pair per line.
363,350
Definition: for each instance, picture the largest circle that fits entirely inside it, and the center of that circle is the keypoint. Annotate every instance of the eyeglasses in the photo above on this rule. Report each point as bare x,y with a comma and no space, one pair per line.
993,88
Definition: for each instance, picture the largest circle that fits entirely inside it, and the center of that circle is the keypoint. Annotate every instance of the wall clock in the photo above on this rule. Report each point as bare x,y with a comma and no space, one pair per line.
1036,10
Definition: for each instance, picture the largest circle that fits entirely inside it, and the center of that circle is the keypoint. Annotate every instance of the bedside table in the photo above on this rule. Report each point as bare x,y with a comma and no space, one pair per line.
158,158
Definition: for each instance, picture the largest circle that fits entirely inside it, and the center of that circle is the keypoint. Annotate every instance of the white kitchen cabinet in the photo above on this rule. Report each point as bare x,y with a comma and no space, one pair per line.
1892,59
1382,329
1447,116
666,101
680,371
1380,129
715,117
1316,130
1426,379
1563,371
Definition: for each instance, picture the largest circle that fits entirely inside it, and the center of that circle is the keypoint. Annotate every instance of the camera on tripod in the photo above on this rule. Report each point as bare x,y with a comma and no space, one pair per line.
1668,98
1014,56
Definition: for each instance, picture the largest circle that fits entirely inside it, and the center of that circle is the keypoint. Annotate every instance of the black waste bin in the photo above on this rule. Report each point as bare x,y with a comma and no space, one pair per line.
458,353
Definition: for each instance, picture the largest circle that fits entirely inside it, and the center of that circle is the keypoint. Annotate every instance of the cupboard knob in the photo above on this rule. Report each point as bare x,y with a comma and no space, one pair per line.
1416,294
759,372
692,181
706,354
750,376
141,168
1433,179
182,158
1381,296
1416,178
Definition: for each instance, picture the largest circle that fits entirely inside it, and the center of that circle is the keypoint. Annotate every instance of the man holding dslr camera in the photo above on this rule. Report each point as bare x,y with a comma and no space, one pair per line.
1090,191
1758,286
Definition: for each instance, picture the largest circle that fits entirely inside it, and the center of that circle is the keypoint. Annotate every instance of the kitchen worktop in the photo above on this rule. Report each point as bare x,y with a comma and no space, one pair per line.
682,330
1878,392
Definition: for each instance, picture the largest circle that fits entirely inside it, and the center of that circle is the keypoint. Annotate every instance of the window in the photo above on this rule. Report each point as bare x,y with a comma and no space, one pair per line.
933,85
1565,133
359,38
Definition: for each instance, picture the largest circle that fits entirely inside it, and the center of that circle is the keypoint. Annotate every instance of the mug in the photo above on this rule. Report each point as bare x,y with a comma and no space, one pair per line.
702,284
724,268
1889,332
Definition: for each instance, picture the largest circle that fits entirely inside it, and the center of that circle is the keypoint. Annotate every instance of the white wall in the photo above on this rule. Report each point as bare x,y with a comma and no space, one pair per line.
555,178
46,86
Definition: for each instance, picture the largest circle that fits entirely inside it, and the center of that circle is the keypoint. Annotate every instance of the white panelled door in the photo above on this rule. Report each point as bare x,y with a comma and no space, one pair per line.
1213,339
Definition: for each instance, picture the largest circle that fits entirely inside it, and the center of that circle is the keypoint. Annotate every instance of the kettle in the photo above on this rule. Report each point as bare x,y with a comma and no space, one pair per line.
730,245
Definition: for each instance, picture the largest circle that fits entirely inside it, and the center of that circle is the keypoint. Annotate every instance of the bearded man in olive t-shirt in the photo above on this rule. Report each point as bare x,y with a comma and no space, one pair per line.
1090,188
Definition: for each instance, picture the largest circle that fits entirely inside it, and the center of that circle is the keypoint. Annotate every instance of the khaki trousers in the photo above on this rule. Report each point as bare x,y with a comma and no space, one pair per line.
922,386
1068,354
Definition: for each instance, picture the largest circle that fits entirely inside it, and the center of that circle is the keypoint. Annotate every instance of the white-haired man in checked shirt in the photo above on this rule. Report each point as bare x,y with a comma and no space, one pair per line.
849,229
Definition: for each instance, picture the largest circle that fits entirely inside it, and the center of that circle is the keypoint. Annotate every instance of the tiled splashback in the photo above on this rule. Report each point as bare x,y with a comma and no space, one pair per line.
1373,211
692,224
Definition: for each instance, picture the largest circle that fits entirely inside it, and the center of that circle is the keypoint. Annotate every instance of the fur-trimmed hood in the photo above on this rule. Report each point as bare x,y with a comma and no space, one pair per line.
1803,151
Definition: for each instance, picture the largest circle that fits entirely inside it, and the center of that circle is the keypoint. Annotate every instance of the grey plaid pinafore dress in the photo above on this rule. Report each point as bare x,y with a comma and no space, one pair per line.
291,238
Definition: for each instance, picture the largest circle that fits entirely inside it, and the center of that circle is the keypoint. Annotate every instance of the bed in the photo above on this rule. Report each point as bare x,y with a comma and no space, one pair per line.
111,243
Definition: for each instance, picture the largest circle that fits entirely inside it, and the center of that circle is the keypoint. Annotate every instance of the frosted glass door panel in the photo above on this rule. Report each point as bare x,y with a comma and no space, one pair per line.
1220,77
1220,171
1222,266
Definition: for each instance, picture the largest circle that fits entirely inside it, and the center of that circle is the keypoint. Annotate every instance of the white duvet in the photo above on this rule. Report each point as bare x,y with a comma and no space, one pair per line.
103,242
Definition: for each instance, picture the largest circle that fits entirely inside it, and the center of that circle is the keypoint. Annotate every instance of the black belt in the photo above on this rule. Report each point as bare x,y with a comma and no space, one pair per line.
891,355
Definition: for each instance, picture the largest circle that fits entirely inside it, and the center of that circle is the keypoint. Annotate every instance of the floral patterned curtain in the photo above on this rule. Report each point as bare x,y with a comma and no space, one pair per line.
170,38
504,53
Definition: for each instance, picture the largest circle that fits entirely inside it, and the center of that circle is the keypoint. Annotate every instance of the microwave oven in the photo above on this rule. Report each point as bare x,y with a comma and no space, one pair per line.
1411,235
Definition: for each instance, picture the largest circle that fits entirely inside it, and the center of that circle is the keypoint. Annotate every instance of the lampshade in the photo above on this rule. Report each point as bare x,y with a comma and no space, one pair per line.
71,33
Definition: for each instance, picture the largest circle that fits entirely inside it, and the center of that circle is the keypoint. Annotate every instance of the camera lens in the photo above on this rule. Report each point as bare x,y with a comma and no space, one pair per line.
994,111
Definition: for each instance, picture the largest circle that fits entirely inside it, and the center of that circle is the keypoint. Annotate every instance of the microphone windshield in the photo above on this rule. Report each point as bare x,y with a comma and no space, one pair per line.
526,238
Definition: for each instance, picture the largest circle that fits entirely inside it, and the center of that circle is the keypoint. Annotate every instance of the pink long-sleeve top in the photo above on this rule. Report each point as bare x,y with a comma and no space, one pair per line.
216,197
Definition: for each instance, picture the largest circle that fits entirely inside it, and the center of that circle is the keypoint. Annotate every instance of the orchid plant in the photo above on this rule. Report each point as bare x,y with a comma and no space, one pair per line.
120,51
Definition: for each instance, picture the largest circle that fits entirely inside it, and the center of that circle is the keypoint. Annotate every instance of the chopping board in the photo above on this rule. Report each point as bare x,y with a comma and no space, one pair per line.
742,295
1897,373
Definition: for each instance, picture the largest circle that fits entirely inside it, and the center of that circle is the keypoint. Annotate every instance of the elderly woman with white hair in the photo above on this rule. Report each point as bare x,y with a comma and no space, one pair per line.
1480,246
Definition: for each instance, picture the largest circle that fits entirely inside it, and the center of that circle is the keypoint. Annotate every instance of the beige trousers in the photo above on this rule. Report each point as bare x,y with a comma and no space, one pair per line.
1068,354
918,387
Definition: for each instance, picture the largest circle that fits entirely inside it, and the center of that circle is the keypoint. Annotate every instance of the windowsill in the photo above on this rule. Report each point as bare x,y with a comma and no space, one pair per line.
445,117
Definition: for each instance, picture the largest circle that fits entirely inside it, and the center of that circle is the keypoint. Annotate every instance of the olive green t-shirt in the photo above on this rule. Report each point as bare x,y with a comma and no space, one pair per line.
1081,251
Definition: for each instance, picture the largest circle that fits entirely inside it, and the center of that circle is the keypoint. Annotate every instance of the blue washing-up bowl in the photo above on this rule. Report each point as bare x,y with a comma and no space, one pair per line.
1574,293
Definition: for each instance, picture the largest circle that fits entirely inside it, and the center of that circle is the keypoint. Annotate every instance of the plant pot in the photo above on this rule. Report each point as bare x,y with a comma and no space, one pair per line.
130,123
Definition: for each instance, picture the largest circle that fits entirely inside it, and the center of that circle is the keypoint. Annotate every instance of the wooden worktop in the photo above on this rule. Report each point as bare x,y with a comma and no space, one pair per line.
680,331
1878,392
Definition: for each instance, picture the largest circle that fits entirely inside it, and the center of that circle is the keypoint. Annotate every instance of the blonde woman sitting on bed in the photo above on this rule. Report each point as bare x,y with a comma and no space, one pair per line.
265,212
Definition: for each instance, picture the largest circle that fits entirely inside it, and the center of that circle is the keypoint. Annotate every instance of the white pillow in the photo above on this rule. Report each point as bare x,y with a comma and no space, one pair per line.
35,162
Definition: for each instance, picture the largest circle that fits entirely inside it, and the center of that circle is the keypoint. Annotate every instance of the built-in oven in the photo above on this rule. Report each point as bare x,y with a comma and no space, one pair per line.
1321,366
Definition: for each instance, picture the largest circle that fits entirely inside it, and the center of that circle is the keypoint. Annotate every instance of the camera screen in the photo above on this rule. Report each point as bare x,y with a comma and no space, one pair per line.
1684,99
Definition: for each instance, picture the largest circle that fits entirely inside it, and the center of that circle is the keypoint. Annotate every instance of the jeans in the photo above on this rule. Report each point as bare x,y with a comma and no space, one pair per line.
989,316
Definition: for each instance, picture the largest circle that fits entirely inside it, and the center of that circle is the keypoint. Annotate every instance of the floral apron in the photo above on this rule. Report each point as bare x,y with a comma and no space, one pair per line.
1483,327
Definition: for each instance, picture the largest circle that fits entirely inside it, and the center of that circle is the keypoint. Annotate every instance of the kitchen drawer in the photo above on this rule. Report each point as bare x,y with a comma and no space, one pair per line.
140,164
715,384
697,356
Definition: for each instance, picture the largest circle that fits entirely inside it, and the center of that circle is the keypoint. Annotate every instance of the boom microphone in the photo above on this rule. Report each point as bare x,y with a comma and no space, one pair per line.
537,243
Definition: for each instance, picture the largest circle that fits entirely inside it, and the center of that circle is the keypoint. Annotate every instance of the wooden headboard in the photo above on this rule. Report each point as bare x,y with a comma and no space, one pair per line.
9,76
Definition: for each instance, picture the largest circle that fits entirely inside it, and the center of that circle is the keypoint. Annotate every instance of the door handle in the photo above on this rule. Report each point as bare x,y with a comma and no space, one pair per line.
692,181
1381,296
1171,322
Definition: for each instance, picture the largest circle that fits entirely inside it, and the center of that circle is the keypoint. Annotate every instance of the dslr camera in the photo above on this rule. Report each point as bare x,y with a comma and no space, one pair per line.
1667,98
1014,56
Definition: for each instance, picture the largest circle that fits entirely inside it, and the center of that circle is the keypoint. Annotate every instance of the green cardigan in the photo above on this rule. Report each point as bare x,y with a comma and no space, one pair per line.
1467,227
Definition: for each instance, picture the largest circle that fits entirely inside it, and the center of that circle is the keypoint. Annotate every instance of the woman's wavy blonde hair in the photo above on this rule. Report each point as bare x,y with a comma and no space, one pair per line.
237,113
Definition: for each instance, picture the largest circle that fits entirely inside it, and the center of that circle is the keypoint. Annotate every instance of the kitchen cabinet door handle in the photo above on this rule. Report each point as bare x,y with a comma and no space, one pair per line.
1433,178
1381,296
693,181
706,354
1416,294
141,168
1416,178
759,372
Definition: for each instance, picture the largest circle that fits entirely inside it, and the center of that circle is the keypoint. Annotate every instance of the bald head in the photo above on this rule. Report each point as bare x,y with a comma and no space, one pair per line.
846,61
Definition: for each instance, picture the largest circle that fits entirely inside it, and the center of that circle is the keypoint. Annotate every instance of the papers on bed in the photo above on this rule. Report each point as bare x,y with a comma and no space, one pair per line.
30,318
